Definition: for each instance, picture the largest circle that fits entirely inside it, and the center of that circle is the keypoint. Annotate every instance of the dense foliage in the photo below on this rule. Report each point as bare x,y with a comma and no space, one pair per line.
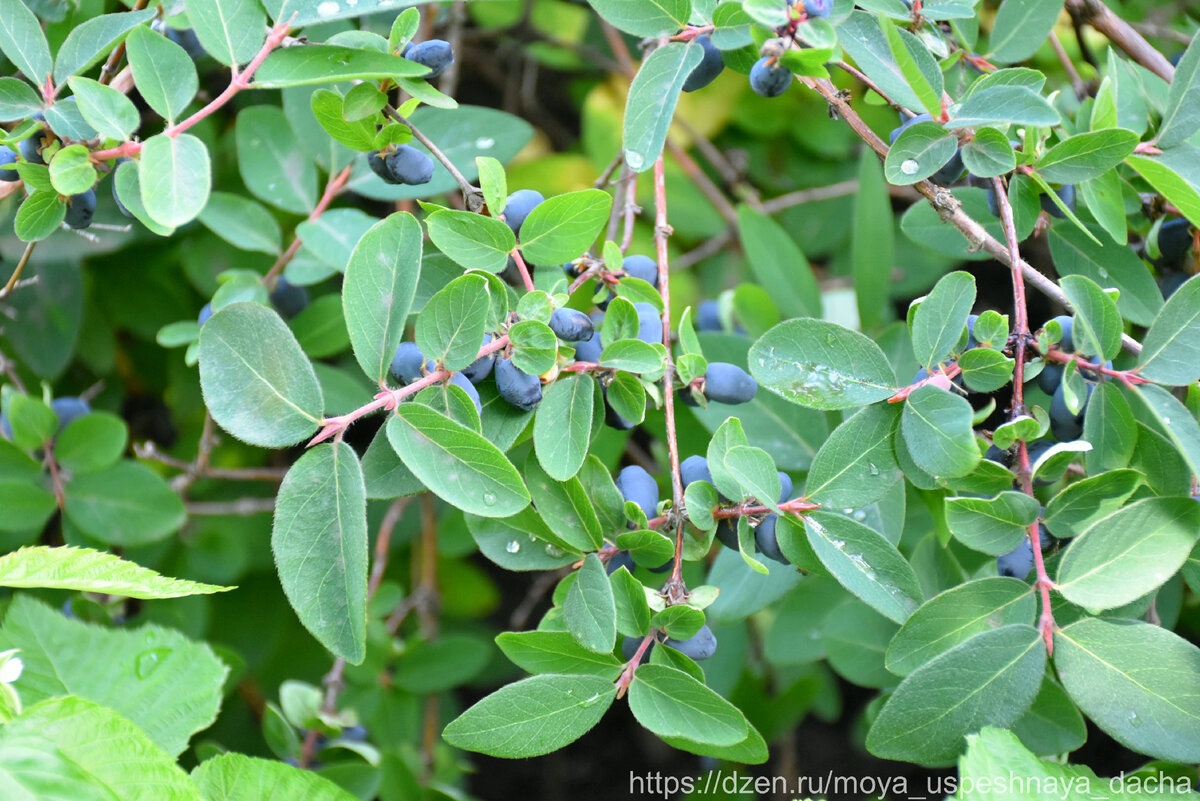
380,386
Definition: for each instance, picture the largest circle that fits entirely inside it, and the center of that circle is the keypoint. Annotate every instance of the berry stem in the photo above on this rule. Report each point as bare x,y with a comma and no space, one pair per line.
332,189
472,196
626,678
522,269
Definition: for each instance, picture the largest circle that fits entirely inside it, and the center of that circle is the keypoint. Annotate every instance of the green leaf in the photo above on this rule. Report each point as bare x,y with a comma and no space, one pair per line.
866,43
1082,503
1171,348
160,680
988,680
1003,105
1086,155
633,610
872,251
18,101
957,615
936,426
532,717
455,463
1021,26
671,703
40,214
115,754
1053,725
590,610
1097,329
378,290
989,154
319,63
175,178
916,64
22,40
242,223
236,777
164,73
856,465
1108,265
1180,426
565,507
321,328
778,262
821,365
1109,426
562,426
634,356
986,370
650,104
451,325
865,563
258,384
319,539
107,110
71,170
232,31
327,109
1136,681
994,526
1129,553
441,664
91,40
938,323
475,242
645,17
520,542
1181,117
126,504
33,768
271,162
91,442
1176,174
918,152
493,184
87,570
128,188
555,652
562,228
27,506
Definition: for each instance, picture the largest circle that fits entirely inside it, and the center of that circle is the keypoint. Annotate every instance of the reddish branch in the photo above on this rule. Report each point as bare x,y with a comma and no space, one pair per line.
1129,378
238,82
1122,34
333,188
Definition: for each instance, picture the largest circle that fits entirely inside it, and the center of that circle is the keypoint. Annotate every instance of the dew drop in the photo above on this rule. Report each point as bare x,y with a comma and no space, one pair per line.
327,9
489,498
860,515
1134,720
909,167
553,551
590,701
830,338
484,143
513,546
1103,273
148,661
872,468
634,159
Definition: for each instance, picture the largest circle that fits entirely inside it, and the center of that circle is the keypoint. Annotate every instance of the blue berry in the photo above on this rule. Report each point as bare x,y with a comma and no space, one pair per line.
649,323
694,468
635,484
1066,193
31,148
700,645
767,541
769,78
708,316
435,54
7,173
462,382
408,361
571,325
518,388
68,409
81,209
378,163
409,166
289,299
205,313
589,350
708,69
818,8
728,383
1018,562
642,267
481,368
519,205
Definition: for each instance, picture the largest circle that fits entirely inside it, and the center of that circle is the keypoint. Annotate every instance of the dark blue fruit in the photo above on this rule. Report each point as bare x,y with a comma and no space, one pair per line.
205,313
7,173
895,134
708,316
642,267
5,426
462,382
68,409
650,327
769,78
1171,282
972,342
520,389
355,734
1066,322
435,54
481,368
786,487
629,647
1066,193
407,363
1065,426
187,39
635,484
589,350
1174,239
694,468
995,454
519,205
1050,377
621,559
409,166
728,383
1018,562
767,540
992,203
727,533
708,69
81,209
700,645
818,8
378,164
289,299
611,418
571,325
31,148
116,197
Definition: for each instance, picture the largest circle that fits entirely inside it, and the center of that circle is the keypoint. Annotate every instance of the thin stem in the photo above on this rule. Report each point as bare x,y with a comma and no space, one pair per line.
675,590
109,70
522,268
237,83
1077,83
333,188
16,273
471,194
1126,377
1123,35
626,678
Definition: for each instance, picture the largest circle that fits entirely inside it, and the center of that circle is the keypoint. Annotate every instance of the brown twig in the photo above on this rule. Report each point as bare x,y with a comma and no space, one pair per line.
109,70
16,273
1123,35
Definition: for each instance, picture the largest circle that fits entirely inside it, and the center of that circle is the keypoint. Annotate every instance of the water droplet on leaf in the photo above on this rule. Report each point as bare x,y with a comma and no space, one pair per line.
909,167
513,546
